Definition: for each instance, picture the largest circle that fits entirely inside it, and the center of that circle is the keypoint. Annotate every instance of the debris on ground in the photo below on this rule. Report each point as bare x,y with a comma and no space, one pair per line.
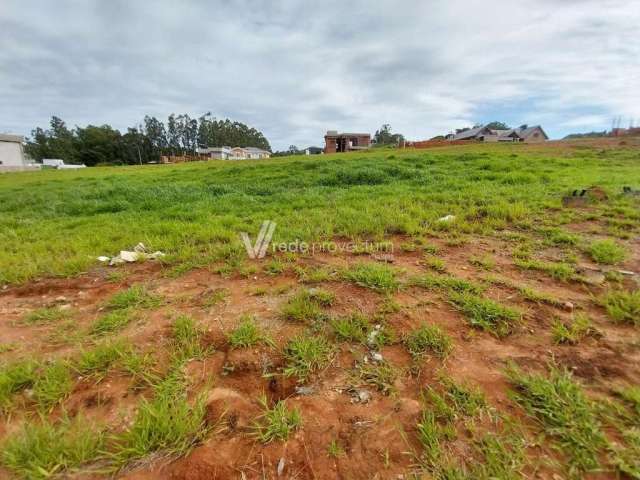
304,390
447,218
584,196
138,253
385,257
280,468
630,191
360,395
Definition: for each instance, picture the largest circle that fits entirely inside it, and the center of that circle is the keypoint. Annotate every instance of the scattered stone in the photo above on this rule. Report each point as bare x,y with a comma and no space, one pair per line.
280,468
385,257
568,306
360,396
103,259
626,272
139,252
447,218
371,338
305,390
376,357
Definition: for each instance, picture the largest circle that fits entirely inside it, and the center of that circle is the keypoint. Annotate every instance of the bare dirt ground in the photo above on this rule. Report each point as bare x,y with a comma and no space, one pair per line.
378,437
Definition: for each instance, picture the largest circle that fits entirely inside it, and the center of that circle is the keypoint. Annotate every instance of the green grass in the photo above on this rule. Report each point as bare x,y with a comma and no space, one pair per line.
353,328
435,263
607,252
187,340
557,270
486,314
305,355
571,333
382,376
428,339
306,305
52,385
193,212
315,275
15,377
276,423
335,450
565,413
45,315
375,276
447,283
42,449
99,359
112,321
136,296
485,262
623,306
247,334
167,423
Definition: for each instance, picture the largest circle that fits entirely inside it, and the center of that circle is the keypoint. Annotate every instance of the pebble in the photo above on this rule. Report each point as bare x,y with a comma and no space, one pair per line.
568,306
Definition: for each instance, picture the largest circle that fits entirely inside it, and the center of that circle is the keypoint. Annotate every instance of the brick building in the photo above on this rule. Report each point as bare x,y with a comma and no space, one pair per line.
346,142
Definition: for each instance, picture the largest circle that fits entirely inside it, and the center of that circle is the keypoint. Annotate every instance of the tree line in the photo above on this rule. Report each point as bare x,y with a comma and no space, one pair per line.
181,135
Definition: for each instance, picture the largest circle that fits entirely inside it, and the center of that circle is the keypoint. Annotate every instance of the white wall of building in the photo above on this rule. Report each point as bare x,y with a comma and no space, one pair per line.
11,154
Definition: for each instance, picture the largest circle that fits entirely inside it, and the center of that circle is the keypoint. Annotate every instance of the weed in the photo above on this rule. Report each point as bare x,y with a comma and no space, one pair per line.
52,385
315,275
276,423
485,262
607,252
428,338
631,395
187,340
558,270
485,314
627,459
15,377
136,296
43,449
334,449
623,306
45,315
463,398
305,306
112,321
167,423
382,376
274,267
435,263
306,354
247,334
565,412
375,276
444,282
573,332
216,297
431,249
100,358
353,328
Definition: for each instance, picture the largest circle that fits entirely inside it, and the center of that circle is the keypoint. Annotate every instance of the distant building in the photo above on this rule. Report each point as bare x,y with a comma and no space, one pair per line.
313,151
346,142
11,151
523,133
59,164
235,153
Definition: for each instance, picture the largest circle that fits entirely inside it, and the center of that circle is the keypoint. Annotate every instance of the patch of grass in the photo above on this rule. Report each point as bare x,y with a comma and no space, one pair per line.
623,306
136,296
502,457
335,450
186,343
276,423
305,306
45,315
353,328
112,321
14,377
463,398
98,360
52,385
382,376
306,354
274,267
626,459
166,423
445,282
631,395
428,338
247,334
486,262
43,449
571,333
607,252
315,275
216,297
565,413
558,270
431,249
375,276
435,263
486,314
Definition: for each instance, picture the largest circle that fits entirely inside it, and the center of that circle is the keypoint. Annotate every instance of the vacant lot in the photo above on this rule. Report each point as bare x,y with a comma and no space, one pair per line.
500,343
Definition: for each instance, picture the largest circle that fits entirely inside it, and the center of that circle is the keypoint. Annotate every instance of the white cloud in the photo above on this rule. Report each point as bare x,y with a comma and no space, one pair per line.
294,69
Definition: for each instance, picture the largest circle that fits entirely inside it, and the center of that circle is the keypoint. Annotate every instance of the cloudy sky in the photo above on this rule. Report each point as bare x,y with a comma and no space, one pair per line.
294,69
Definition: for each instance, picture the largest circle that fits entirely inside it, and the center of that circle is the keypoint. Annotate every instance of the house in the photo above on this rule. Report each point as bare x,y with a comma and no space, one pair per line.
11,151
313,151
523,133
235,153
59,164
346,142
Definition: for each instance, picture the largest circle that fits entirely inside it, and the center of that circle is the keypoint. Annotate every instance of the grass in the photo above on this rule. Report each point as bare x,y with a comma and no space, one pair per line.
353,328
15,377
315,275
335,450
45,315
42,449
137,296
52,385
571,333
112,321
305,355
216,297
447,283
623,306
306,305
435,263
486,314
99,359
247,334
276,423
565,413
187,341
382,376
607,252
428,339
375,276
167,423
557,270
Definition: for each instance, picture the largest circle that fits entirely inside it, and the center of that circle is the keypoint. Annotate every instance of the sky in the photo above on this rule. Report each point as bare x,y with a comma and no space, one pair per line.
294,69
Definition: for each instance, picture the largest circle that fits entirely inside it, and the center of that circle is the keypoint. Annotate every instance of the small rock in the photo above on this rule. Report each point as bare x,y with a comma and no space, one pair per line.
626,272
362,396
103,259
280,468
128,256
305,390
376,357
568,306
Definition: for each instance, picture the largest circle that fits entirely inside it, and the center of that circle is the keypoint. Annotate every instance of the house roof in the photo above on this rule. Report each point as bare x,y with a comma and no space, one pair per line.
5,137
334,133
255,150
472,132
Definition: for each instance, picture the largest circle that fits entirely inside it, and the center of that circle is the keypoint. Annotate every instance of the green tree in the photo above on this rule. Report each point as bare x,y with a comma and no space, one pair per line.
385,137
